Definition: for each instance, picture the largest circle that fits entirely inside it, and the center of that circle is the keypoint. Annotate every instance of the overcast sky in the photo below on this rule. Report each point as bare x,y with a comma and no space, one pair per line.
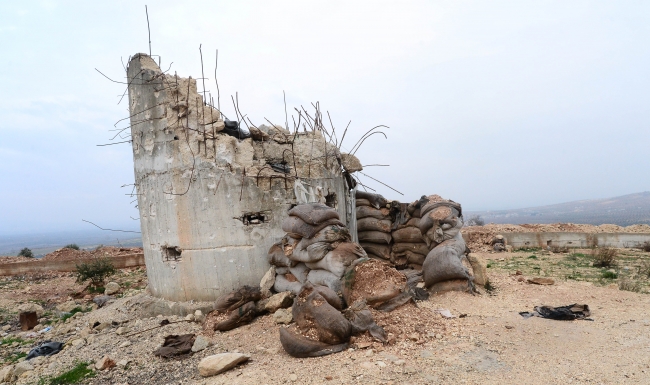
492,104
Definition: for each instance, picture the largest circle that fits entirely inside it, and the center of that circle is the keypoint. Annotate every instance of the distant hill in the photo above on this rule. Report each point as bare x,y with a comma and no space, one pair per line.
623,211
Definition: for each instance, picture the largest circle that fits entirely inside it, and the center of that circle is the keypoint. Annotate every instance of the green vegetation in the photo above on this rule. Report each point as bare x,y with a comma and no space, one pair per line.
13,357
532,257
79,372
96,271
72,246
27,253
609,275
74,311
604,257
529,249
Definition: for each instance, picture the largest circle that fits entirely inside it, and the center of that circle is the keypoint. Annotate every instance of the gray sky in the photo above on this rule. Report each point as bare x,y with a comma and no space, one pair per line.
492,104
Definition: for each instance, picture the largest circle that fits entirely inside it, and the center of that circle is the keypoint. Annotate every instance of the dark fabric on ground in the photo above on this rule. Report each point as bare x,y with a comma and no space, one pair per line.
46,348
561,313
175,345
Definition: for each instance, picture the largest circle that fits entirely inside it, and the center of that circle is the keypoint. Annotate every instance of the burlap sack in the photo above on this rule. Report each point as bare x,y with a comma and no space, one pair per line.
312,253
312,313
374,224
407,235
419,248
325,278
377,250
337,260
314,213
277,257
375,237
371,212
444,263
297,228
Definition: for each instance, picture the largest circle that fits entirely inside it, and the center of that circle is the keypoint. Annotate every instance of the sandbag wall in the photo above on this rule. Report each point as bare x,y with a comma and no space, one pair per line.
317,248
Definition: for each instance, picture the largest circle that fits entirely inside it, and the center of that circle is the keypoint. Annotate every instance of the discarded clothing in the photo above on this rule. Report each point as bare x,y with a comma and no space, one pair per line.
46,348
175,345
102,300
562,313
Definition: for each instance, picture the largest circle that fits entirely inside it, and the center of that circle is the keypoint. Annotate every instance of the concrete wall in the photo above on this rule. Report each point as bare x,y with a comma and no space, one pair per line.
195,184
39,266
575,240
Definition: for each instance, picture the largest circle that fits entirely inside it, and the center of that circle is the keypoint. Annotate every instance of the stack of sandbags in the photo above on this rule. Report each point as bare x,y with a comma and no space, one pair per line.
409,247
374,225
316,249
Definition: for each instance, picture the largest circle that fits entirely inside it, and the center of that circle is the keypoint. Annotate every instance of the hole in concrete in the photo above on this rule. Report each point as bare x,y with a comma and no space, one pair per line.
171,253
254,218
175,137
549,243
527,243
330,200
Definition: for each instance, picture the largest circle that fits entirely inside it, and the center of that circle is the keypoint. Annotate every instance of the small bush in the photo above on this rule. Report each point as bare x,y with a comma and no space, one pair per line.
609,275
27,253
476,220
645,246
489,287
644,269
74,311
96,271
604,257
532,257
559,249
72,246
630,285
75,375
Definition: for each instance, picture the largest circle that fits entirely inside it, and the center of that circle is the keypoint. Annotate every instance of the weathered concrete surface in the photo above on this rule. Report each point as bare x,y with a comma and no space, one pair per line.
196,186
19,268
575,240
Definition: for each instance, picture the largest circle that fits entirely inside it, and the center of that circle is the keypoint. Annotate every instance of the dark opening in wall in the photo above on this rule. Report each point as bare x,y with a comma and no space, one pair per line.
330,200
549,243
254,218
171,253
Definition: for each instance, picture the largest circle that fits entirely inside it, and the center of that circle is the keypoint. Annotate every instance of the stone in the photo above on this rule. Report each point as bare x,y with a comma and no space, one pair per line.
36,361
111,288
279,301
479,267
293,377
78,342
283,316
219,363
350,163
85,332
400,362
367,365
541,281
199,316
200,343
22,367
102,326
6,328
267,282
67,307
369,353
104,363
189,317
381,364
123,363
38,327
121,330
7,373
125,344
30,307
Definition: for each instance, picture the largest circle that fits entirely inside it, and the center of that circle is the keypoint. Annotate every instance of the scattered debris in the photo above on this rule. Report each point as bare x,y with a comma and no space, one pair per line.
562,313
541,281
45,348
175,345
219,363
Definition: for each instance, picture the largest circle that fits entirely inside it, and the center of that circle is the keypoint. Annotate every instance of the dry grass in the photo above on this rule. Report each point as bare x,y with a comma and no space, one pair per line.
604,256
630,285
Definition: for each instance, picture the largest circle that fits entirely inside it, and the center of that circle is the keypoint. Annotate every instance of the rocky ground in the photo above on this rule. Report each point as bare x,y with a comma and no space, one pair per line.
487,342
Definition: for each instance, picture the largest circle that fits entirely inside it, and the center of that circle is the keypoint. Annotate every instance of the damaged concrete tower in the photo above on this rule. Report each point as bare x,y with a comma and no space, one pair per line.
211,198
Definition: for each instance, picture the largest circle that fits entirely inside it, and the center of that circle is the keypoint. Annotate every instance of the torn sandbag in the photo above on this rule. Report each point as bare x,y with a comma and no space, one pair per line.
325,278
361,320
283,284
238,317
314,213
372,280
375,200
299,346
316,318
375,237
277,256
297,228
443,263
175,345
237,298
337,260
45,348
330,234
560,313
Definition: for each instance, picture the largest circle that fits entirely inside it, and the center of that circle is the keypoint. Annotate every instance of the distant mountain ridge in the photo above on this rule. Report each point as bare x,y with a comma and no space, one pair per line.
624,210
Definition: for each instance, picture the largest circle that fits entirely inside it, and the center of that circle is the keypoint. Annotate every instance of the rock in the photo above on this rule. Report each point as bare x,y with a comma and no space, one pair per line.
199,316
30,307
400,362
283,316
479,266
36,361
104,363
125,344
123,363
7,373
38,327
102,326
85,332
267,282
381,364
121,330
350,163
189,317
67,307
218,363
279,301
260,306
22,367
200,343
78,342
541,281
111,288
367,365
369,353
293,377
6,328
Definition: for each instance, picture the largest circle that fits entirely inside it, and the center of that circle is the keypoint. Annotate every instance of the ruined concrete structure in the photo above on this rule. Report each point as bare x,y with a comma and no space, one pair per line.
211,204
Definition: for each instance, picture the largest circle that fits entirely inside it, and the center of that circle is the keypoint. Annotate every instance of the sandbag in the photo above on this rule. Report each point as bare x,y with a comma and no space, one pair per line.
436,201
374,224
300,271
331,234
375,237
297,228
314,213
301,347
362,203
283,284
337,260
443,263
442,216
237,298
407,235
377,201
238,317
419,248
312,253
374,281
330,296
324,278
411,222
361,320
371,212
313,314
277,256
281,270
380,251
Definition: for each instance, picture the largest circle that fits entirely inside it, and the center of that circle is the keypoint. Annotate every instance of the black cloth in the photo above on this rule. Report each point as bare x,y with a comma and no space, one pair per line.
46,348
561,313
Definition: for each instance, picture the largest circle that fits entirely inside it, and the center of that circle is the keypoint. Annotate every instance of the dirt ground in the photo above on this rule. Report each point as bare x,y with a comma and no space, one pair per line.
490,344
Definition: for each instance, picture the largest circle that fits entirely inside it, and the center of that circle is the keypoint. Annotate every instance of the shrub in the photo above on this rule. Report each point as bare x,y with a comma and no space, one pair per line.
559,249
630,285
644,269
645,246
604,257
72,246
609,275
96,271
26,253
475,220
